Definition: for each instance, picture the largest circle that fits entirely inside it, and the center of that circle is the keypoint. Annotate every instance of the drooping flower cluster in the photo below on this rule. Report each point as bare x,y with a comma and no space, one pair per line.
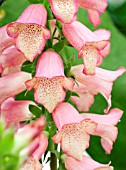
24,40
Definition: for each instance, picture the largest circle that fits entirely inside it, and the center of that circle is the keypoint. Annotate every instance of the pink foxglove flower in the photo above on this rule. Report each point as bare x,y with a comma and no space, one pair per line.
13,84
29,31
86,164
106,127
16,111
50,81
11,61
101,82
89,44
74,130
65,11
94,8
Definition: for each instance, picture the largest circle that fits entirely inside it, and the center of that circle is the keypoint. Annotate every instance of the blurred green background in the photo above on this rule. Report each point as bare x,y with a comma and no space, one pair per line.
114,19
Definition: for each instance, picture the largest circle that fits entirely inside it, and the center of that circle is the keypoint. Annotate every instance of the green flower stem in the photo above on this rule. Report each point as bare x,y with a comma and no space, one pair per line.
53,162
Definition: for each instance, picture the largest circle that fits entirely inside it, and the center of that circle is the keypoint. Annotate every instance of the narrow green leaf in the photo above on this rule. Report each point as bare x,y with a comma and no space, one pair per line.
35,110
74,94
68,95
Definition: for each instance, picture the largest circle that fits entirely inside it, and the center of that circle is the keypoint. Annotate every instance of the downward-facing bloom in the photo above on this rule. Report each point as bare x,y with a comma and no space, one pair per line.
50,81
92,46
29,32
86,164
16,111
65,10
88,85
11,61
74,130
13,84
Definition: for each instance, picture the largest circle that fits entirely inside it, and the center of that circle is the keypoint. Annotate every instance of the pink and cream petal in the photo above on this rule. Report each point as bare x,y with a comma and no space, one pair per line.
90,55
13,84
64,10
29,38
49,92
72,135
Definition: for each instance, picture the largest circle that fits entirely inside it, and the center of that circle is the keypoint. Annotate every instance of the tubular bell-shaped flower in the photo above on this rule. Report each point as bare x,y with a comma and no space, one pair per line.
92,46
106,127
50,81
74,131
11,61
13,84
29,31
16,111
65,10
86,164
101,82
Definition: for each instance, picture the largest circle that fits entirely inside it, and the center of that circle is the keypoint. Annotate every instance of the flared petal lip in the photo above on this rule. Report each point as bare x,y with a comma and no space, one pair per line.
60,19
50,111
15,42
